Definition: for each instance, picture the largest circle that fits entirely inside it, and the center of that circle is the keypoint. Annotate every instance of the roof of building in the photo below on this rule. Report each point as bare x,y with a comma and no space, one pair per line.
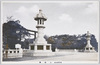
40,15
88,34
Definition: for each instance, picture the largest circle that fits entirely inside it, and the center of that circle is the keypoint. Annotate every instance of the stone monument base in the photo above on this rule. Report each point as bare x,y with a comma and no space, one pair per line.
89,49
39,53
40,49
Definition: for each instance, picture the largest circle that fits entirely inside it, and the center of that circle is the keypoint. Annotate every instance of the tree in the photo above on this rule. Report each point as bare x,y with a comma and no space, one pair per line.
71,41
14,33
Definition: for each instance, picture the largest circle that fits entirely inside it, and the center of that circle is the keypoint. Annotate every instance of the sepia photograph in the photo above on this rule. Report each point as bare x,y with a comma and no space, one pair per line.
49,32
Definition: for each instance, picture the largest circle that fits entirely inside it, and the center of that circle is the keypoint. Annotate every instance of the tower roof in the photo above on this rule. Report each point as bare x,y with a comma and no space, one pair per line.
88,34
40,15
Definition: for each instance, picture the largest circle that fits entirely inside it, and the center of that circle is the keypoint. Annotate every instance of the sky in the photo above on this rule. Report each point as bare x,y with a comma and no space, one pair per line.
63,17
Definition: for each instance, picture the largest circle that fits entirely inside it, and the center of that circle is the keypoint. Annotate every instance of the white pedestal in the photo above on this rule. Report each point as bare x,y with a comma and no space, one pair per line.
41,50
89,49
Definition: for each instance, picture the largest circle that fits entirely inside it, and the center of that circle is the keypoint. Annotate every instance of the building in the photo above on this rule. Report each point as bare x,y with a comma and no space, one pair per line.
13,53
40,46
89,47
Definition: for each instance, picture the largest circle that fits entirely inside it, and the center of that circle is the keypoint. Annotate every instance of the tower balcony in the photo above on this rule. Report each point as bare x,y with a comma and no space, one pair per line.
40,26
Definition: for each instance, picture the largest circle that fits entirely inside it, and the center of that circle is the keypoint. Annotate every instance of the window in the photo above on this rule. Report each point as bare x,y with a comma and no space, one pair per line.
14,51
32,47
90,48
40,47
17,51
6,51
47,47
87,48
40,21
3,51
10,51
